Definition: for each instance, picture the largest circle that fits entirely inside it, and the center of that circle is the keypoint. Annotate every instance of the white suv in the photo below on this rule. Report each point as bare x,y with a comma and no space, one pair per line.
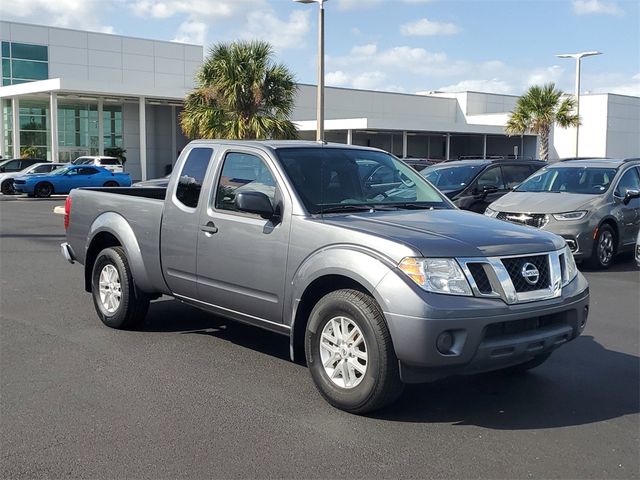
112,164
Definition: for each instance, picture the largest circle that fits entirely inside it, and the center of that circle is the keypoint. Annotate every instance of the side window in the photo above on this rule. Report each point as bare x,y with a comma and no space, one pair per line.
628,181
492,177
515,174
87,171
12,165
42,169
381,175
192,176
72,171
243,172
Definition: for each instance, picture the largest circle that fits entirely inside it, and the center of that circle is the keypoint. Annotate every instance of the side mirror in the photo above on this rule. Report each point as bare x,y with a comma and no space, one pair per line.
254,202
630,195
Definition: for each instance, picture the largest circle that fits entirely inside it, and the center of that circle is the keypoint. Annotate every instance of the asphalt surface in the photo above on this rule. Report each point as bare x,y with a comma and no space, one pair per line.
190,395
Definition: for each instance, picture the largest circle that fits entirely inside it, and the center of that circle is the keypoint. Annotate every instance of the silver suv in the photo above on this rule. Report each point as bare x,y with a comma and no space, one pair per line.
593,203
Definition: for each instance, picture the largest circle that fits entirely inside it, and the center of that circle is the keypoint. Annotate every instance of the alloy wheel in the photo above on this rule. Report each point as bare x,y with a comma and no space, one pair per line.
110,288
343,352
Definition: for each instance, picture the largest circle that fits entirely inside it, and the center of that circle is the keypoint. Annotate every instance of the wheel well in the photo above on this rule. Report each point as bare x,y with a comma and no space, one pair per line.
45,183
313,293
100,242
110,182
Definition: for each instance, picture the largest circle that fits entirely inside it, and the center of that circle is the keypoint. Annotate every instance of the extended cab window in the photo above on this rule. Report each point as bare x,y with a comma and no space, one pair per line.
192,176
243,172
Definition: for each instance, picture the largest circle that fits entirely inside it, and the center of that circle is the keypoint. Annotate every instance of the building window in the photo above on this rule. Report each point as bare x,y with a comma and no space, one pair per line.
23,62
34,126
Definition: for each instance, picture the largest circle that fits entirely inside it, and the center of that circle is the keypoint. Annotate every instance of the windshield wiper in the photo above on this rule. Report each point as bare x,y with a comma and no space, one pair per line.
417,206
356,208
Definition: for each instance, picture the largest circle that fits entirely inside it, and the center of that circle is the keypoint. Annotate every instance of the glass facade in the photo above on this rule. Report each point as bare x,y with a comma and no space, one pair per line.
23,62
34,126
7,120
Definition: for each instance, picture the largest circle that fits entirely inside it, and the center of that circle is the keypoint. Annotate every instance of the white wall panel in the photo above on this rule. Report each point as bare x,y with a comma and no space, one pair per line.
68,55
168,50
67,38
137,46
101,41
168,80
29,33
169,65
62,70
100,58
137,62
102,74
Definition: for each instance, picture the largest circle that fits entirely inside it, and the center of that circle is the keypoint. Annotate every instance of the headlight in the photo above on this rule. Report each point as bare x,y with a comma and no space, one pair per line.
571,268
490,213
577,215
438,275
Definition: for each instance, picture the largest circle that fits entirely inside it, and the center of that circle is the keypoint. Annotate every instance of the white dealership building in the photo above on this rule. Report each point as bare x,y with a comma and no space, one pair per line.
70,93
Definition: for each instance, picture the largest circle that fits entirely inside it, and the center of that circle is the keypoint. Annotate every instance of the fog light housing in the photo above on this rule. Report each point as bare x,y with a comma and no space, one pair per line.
444,342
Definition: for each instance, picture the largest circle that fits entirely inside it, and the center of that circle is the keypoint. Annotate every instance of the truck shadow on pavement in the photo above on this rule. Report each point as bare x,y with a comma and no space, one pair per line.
174,316
581,383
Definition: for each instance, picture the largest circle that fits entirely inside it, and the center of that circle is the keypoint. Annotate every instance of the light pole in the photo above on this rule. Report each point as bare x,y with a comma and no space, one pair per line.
578,57
320,94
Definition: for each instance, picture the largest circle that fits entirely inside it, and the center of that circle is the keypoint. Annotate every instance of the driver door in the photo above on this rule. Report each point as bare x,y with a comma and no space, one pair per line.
630,212
241,257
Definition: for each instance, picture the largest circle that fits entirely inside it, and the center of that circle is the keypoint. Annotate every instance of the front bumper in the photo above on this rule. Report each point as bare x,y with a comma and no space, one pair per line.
578,235
488,334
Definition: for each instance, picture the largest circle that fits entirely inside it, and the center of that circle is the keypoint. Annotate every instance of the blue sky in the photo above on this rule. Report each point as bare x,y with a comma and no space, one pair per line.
396,45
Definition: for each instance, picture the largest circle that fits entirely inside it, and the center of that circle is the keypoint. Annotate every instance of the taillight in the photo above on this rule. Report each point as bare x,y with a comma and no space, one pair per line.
67,212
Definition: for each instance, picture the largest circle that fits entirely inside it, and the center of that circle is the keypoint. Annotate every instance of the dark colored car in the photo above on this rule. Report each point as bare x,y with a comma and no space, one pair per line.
420,164
17,164
474,184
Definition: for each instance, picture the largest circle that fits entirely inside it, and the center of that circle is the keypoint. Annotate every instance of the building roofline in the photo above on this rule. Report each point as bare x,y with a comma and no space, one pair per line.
42,25
371,91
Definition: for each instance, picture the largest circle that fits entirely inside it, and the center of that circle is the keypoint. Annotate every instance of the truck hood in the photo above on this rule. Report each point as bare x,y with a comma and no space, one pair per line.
542,202
450,233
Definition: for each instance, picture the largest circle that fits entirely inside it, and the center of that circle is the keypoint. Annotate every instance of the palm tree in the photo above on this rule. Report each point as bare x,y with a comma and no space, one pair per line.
240,94
537,110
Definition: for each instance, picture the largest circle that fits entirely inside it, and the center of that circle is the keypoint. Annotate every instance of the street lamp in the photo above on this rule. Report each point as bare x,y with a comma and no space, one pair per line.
320,94
578,57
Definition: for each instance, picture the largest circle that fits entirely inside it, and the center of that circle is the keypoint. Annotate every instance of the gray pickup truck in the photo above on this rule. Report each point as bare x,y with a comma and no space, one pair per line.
377,279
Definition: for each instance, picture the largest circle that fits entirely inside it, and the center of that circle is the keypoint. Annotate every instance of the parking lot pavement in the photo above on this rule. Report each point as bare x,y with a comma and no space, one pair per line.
191,395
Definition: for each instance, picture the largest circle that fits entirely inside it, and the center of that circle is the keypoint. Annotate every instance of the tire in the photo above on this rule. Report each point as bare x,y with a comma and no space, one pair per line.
43,190
111,184
7,187
376,382
604,248
526,366
130,307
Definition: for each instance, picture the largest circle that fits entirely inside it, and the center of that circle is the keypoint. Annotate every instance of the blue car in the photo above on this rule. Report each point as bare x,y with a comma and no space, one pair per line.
64,179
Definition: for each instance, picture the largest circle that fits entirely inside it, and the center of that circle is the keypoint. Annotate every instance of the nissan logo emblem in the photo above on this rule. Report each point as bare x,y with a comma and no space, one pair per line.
530,273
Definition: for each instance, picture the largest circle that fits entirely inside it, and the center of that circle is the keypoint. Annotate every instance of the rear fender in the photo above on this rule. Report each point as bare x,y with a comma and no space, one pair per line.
118,226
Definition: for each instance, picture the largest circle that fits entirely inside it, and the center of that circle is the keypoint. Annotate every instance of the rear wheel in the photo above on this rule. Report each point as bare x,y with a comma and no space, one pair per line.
349,353
604,248
7,187
43,190
111,184
117,302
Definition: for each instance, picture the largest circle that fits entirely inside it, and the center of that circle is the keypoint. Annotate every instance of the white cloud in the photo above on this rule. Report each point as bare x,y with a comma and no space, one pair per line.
364,80
425,27
545,75
357,4
368,49
290,33
218,9
493,85
191,31
586,7
59,13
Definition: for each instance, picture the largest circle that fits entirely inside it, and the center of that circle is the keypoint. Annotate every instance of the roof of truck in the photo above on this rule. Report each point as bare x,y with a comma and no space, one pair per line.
275,144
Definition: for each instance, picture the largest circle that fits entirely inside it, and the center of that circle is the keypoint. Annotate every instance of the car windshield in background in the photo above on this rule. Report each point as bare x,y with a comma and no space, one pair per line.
589,180
335,180
452,178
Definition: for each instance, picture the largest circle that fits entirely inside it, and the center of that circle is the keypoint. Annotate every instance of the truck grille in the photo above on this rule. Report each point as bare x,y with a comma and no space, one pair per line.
518,268
537,220
525,278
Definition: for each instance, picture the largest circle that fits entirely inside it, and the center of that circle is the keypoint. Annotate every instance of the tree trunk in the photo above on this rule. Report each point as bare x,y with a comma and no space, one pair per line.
544,144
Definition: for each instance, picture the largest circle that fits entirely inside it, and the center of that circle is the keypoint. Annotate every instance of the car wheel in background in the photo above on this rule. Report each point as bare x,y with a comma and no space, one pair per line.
43,190
349,353
117,302
7,187
111,184
604,248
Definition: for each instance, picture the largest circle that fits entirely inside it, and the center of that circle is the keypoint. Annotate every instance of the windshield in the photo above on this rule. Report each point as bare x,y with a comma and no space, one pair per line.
590,180
335,179
60,170
451,178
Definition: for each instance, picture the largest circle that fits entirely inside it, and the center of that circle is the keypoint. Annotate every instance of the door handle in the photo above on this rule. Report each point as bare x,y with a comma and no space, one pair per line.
209,228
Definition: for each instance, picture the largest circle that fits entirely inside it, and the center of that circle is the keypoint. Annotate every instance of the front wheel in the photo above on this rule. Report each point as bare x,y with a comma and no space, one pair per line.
117,302
350,354
604,247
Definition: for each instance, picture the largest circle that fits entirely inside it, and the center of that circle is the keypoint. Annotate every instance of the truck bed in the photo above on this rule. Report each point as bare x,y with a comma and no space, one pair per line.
138,210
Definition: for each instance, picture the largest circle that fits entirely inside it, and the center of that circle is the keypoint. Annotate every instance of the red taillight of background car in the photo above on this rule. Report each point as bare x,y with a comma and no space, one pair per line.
67,212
